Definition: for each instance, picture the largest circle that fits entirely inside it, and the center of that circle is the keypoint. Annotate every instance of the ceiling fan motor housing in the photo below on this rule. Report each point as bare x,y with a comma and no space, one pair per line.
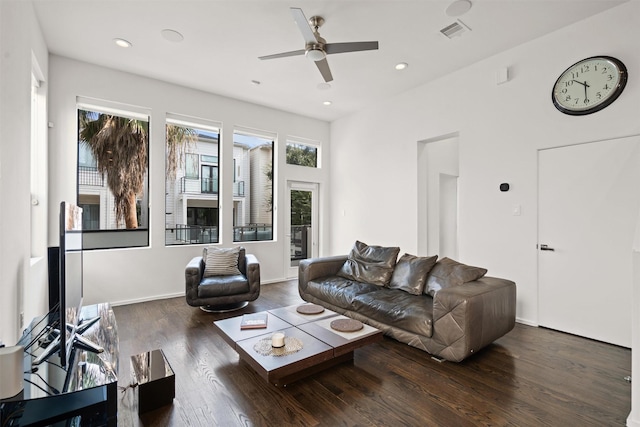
315,51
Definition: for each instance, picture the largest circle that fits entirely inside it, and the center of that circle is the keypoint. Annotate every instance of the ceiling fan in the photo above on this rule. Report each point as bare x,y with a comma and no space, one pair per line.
316,48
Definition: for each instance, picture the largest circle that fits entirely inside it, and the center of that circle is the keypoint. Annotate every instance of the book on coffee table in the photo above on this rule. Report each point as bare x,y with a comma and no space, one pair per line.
254,321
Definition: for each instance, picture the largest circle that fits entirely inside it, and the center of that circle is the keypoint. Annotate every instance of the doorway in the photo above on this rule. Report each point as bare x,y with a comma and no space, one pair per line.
438,171
302,224
588,203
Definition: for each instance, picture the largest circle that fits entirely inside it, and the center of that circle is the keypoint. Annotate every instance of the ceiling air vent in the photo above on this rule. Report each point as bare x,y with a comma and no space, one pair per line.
455,29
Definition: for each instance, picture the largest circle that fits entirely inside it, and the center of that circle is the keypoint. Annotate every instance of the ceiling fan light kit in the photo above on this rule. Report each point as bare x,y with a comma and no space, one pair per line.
316,48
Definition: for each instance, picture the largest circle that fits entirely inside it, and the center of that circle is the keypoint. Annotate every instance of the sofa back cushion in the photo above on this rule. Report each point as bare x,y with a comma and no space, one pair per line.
448,273
370,264
410,273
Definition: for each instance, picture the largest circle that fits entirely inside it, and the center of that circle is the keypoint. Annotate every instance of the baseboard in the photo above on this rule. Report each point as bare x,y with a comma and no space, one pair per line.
147,299
173,295
527,322
630,422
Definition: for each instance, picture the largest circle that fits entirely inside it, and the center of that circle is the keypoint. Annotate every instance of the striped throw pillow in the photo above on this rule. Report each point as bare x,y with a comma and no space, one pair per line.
221,262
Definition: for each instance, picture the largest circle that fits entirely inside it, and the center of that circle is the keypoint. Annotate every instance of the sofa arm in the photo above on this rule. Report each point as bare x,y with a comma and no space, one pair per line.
471,316
315,268
193,275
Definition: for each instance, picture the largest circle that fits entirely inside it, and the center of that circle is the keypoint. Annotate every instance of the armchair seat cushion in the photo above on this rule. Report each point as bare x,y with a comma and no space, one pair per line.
217,286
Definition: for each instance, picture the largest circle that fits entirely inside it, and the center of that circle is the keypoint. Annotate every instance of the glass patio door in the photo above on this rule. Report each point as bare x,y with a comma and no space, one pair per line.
302,220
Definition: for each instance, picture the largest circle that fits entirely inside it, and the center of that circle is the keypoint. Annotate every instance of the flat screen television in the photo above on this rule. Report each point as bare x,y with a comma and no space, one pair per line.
70,275
65,284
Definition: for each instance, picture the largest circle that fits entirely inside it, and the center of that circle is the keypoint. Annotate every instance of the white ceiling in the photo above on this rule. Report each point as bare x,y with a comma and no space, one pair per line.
223,39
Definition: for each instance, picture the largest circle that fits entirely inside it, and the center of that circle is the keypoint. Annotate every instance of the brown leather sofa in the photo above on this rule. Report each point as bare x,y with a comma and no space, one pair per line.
453,324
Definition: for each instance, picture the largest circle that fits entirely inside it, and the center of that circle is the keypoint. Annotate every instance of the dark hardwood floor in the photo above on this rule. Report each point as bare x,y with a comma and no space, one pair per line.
530,377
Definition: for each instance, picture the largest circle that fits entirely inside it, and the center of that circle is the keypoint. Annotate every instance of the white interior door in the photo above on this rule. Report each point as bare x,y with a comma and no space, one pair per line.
302,224
588,209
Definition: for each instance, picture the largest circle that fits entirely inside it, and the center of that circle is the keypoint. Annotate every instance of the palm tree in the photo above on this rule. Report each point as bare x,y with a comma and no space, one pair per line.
119,146
179,140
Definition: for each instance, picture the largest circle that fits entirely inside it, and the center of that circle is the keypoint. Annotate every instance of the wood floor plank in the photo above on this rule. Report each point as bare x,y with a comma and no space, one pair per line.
530,377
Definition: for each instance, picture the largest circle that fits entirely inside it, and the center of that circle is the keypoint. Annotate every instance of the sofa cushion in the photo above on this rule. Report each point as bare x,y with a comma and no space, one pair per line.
221,262
370,264
338,290
447,273
413,313
410,273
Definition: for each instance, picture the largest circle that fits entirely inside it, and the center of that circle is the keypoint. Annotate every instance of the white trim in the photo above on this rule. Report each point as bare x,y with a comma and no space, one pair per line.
110,107
264,134
527,322
190,121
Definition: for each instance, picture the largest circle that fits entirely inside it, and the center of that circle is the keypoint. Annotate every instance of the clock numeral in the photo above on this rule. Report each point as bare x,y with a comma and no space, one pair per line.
564,90
606,87
586,101
567,98
598,95
569,83
605,70
609,77
577,100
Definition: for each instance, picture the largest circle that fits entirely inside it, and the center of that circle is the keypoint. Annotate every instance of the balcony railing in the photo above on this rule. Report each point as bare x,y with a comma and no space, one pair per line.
90,176
183,234
238,188
207,186
252,232
300,240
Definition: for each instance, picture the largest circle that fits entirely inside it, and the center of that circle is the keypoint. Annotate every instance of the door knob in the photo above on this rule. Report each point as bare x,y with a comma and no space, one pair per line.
546,248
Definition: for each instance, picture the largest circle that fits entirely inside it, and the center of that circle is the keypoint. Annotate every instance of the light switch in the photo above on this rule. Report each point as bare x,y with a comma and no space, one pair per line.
516,210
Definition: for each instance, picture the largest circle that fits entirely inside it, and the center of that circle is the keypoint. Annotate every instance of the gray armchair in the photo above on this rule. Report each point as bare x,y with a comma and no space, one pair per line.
223,293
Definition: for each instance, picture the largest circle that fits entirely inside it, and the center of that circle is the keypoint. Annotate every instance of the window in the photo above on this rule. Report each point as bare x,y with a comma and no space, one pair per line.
112,175
302,154
209,181
253,189
191,188
191,166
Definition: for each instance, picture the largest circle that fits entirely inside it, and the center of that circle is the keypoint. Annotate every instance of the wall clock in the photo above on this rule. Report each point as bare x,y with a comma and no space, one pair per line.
589,85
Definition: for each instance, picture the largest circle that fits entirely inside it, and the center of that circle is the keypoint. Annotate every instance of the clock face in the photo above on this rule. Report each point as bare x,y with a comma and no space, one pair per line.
589,85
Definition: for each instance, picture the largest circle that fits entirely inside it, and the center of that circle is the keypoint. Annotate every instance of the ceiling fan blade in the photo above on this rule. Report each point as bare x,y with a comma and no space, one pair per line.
303,24
283,54
330,48
323,66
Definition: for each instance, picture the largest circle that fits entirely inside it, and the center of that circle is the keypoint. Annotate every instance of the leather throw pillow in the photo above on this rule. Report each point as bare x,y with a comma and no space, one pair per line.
370,264
410,273
448,273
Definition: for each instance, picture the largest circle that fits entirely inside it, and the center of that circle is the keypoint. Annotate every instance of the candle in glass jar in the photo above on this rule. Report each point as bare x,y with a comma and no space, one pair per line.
277,339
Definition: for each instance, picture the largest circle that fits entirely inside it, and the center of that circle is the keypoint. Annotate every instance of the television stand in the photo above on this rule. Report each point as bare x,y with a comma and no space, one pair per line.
78,340
85,391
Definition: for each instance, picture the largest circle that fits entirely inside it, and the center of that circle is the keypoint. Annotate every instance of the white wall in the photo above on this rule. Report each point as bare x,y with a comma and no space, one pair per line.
20,40
500,129
149,273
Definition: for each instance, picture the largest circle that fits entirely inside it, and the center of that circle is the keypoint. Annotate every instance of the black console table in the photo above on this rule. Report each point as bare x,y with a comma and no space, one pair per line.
90,396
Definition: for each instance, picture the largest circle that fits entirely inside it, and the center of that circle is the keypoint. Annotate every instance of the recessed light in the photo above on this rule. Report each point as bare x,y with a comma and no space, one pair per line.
122,42
401,65
458,8
172,35
327,103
